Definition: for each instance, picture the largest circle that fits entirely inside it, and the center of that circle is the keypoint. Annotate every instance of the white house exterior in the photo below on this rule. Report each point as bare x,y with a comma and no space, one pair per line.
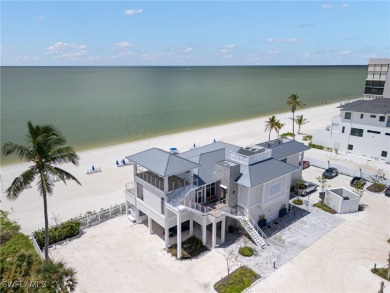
217,184
363,127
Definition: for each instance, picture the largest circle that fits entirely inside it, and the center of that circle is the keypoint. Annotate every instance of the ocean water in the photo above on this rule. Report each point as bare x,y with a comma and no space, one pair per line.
99,106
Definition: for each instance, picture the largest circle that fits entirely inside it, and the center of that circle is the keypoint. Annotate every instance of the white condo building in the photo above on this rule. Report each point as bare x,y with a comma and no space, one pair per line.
363,127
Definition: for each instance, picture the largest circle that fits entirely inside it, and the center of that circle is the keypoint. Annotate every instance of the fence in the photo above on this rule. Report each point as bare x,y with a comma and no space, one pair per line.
36,246
344,170
94,218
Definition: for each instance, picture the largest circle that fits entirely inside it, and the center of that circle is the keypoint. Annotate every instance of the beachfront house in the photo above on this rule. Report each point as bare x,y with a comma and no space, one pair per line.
212,188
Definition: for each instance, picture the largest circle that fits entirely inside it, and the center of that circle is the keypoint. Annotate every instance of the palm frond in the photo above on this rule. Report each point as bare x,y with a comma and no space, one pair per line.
62,174
45,184
18,150
64,154
20,183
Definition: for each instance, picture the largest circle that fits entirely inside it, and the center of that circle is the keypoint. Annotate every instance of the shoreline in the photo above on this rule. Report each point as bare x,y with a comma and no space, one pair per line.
106,188
9,162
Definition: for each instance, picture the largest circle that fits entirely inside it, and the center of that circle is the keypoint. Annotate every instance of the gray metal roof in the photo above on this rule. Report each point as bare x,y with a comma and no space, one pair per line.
264,171
209,148
161,162
285,149
376,106
206,173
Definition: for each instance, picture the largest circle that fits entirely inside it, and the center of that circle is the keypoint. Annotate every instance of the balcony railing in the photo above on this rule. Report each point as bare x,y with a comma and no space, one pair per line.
159,181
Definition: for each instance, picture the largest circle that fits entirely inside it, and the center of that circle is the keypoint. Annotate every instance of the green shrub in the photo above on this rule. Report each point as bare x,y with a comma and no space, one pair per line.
190,248
307,138
324,208
58,233
8,228
237,281
381,272
246,251
316,146
287,135
298,202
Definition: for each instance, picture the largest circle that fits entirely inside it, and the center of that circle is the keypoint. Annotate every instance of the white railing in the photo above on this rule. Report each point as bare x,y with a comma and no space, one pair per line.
94,218
237,214
344,170
151,180
177,195
248,160
36,246
196,206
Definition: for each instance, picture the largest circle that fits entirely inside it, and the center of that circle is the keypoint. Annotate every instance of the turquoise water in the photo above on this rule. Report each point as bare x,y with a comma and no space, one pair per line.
98,106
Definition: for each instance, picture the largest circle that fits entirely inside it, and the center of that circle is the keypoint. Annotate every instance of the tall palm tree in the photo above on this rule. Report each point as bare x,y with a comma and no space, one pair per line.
45,148
293,102
279,126
270,125
300,121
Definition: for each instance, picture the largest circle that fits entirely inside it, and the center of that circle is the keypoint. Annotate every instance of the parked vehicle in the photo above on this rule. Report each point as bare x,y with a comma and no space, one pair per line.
305,164
330,173
387,191
355,181
184,226
308,187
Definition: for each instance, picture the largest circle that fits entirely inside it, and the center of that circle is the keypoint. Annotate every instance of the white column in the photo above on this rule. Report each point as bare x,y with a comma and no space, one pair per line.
127,208
166,184
136,215
166,237
223,230
191,227
150,225
178,235
214,235
204,234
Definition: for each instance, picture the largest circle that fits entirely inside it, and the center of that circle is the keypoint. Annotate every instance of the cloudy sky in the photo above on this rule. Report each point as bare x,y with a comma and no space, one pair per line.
194,32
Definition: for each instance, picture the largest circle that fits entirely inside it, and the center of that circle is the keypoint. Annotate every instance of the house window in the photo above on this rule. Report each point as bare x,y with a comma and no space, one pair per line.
162,206
382,118
372,131
140,191
350,147
384,154
361,116
373,116
347,115
343,129
357,132
275,189
387,133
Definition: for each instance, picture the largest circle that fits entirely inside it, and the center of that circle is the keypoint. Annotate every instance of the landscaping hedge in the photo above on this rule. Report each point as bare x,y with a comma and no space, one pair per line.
246,251
316,146
58,233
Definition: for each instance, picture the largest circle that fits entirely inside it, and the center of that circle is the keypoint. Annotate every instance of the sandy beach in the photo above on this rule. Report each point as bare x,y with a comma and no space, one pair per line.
101,190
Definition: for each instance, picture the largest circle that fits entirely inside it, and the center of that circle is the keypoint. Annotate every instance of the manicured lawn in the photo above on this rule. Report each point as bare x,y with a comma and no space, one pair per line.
237,281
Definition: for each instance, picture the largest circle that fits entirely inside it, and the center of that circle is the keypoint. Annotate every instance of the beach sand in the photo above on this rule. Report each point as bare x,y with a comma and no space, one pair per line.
106,188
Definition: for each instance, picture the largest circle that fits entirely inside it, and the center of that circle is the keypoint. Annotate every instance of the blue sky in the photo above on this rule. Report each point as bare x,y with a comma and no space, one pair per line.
194,32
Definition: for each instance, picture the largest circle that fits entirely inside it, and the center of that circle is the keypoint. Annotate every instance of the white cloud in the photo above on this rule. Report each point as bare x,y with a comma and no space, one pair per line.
188,50
63,46
74,56
232,46
123,44
133,11
40,17
227,50
123,49
282,40
334,6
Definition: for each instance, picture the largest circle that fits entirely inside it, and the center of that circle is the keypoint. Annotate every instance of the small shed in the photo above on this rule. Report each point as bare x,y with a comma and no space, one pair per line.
342,200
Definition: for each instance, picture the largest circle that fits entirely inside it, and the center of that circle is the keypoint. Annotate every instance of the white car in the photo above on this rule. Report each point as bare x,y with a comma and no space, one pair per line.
308,187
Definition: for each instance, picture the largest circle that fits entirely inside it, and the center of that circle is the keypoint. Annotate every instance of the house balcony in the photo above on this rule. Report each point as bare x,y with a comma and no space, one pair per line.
153,179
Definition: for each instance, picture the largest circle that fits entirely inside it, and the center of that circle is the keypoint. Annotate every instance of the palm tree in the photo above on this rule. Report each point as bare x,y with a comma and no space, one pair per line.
45,148
293,102
270,125
300,121
57,277
279,126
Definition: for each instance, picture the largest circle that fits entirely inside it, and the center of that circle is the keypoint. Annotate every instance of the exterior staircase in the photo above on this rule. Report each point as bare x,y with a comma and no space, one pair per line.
259,241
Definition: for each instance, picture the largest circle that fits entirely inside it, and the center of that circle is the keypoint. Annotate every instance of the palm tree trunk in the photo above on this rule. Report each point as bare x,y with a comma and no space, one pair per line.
46,226
293,124
269,136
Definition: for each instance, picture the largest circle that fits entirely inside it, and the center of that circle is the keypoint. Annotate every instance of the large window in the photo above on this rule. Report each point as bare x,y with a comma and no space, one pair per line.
382,118
347,115
275,189
357,132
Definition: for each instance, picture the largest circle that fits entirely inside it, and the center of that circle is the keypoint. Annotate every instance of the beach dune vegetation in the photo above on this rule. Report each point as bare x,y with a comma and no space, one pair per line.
45,148
293,102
